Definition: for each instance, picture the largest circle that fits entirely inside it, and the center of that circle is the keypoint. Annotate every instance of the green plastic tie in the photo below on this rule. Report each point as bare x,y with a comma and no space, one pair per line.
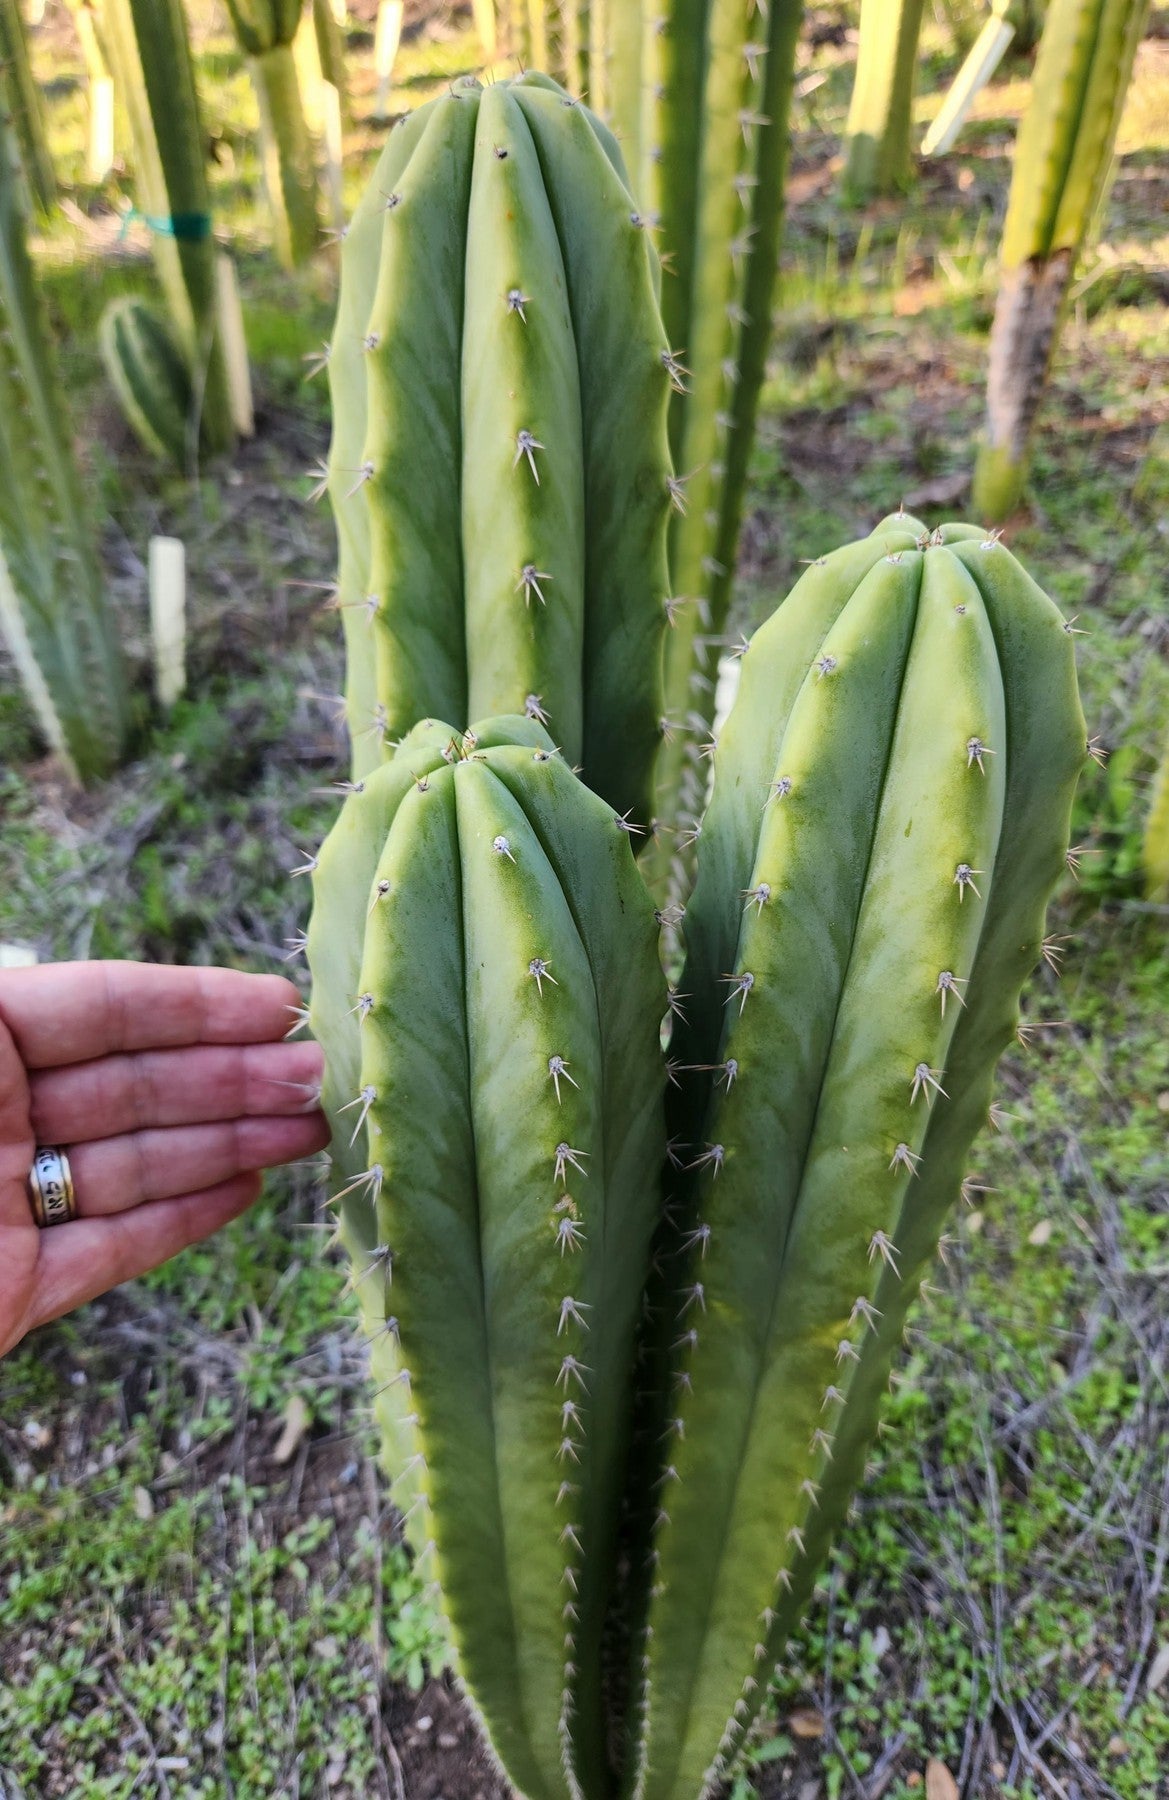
190,228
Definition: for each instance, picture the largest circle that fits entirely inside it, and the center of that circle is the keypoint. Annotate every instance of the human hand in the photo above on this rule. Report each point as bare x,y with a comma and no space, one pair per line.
170,1088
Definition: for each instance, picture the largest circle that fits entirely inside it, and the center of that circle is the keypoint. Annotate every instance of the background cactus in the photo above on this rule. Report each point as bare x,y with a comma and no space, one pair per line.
498,319
1156,844
151,379
149,52
877,137
889,816
266,30
720,79
1062,160
502,1076
22,97
52,607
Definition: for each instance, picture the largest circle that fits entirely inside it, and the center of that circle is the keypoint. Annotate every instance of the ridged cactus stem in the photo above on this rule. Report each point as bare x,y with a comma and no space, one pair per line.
499,242
1062,159
52,606
508,1095
25,106
290,176
486,30
730,259
890,813
150,53
878,134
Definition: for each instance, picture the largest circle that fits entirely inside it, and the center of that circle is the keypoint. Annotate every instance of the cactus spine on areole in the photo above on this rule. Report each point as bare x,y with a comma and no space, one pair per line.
266,30
496,1092
877,136
889,816
499,468
25,106
1062,159
720,77
150,54
52,607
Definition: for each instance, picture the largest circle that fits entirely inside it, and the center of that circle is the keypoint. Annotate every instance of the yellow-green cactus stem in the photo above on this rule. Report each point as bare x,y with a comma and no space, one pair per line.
1062,159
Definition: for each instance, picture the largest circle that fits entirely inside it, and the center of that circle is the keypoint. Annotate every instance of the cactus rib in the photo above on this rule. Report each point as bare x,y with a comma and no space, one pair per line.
843,812
503,231
510,1089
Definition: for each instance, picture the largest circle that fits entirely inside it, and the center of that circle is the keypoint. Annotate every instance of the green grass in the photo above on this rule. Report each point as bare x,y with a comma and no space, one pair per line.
183,1615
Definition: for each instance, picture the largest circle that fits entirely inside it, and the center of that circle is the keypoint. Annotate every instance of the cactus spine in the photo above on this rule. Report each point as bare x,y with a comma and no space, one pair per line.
506,1088
1062,160
150,54
266,30
890,811
499,468
52,607
25,106
877,137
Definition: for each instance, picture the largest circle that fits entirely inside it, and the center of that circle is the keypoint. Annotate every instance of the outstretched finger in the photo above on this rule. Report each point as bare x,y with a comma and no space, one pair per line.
115,1094
86,1258
71,1012
119,1173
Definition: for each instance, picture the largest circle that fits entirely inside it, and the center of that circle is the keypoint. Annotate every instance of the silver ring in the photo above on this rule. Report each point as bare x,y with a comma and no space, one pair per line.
50,1188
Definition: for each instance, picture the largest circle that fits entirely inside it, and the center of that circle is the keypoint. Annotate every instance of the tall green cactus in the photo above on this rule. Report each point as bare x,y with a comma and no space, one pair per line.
877,136
720,78
266,30
149,52
889,816
1062,160
501,1073
18,86
499,469
52,606
622,1544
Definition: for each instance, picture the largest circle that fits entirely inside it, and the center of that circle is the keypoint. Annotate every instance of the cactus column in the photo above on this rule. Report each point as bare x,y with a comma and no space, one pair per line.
150,53
25,106
890,812
499,469
52,607
266,30
1062,160
877,157
499,1084
721,75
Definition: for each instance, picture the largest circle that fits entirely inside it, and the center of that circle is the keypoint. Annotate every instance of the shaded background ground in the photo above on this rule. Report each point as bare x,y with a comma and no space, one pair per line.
200,1594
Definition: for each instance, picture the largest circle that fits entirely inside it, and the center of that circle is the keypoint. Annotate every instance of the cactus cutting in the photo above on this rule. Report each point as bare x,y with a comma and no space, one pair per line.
499,468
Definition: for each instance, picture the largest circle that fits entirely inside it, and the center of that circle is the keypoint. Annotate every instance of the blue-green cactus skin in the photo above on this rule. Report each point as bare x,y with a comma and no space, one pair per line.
889,816
488,993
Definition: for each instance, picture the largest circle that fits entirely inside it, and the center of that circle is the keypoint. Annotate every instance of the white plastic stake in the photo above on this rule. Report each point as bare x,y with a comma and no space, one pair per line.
989,49
100,156
230,319
385,51
168,617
